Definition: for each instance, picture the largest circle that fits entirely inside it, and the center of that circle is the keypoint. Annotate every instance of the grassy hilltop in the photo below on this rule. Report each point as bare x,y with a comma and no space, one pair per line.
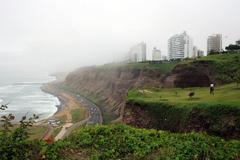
226,94
174,110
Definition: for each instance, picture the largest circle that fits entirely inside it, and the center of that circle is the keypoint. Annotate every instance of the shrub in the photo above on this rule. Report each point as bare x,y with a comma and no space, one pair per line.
124,142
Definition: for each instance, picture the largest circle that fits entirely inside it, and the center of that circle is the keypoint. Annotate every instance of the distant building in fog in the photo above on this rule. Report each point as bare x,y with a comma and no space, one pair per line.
164,58
180,46
156,54
214,43
200,53
195,52
138,53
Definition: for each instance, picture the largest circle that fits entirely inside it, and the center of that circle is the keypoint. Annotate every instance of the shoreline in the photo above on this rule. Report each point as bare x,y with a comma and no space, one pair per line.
49,88
68,103
45,89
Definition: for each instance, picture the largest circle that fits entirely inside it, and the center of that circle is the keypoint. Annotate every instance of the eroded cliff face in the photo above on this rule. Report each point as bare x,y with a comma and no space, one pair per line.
166,117
110,85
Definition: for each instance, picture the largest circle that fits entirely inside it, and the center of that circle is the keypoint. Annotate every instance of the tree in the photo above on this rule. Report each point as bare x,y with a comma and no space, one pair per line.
237,77
233,47
14,143
212,52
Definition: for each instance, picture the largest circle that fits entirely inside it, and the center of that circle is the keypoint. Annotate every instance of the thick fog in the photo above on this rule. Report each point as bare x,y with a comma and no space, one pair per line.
54,35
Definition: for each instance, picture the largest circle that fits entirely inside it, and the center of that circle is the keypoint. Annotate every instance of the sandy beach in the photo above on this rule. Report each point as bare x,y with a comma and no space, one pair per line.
68,104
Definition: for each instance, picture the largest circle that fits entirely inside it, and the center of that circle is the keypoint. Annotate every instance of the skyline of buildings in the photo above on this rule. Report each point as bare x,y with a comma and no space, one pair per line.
214,43
180,46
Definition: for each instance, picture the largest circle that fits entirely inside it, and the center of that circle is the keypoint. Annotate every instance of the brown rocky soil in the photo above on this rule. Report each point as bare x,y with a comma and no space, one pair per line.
112,85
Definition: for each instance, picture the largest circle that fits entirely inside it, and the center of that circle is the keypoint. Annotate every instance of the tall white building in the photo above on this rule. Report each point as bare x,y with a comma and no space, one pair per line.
138,53
180,46
214,43
156,54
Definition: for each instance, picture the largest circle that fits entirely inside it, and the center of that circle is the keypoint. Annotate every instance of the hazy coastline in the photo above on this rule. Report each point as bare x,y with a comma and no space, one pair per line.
24,96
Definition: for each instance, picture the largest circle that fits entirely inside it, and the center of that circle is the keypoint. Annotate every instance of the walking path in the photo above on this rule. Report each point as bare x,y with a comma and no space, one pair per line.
63,131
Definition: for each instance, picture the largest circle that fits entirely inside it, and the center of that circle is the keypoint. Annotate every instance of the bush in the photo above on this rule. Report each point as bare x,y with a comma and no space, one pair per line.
124,142
14,143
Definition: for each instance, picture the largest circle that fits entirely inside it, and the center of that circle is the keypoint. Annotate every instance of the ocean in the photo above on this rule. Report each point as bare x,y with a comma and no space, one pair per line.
22,93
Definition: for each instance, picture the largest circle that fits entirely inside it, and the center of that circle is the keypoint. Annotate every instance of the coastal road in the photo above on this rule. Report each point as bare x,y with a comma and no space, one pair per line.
95,115
94,118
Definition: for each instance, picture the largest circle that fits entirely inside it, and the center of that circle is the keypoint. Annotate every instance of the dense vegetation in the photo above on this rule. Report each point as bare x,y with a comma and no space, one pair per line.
119,142
123,142
222,67
217,114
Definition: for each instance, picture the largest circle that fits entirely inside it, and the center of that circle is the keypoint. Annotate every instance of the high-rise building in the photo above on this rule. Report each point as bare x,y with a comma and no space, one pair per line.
180,46
138,53
214,43
156,54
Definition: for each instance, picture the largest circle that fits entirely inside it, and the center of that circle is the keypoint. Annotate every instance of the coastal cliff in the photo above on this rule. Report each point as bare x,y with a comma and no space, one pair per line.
108,85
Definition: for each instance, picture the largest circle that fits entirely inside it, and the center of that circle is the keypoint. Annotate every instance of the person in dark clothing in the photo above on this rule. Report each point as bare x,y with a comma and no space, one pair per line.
212,88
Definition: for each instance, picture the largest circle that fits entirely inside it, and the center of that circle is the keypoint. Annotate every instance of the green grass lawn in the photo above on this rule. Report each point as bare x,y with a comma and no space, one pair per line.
56,131
78,114
173,110
227,94
163,68
36,132
221,57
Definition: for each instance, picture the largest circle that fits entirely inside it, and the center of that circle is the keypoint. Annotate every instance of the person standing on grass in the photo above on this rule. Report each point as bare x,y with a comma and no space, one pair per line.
212,88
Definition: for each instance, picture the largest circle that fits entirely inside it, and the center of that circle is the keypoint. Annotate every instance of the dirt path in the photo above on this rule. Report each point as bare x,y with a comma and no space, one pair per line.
63,131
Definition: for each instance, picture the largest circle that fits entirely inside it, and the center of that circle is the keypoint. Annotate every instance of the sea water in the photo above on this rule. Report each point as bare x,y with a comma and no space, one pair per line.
23,95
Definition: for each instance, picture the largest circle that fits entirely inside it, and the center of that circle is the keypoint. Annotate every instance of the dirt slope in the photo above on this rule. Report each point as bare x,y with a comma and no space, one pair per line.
109,86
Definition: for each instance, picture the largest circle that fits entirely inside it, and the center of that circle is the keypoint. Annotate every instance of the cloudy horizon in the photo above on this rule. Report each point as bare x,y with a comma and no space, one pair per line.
55,35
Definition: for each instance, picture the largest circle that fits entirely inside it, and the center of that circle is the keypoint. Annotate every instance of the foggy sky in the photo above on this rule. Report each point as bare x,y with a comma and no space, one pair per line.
62,34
